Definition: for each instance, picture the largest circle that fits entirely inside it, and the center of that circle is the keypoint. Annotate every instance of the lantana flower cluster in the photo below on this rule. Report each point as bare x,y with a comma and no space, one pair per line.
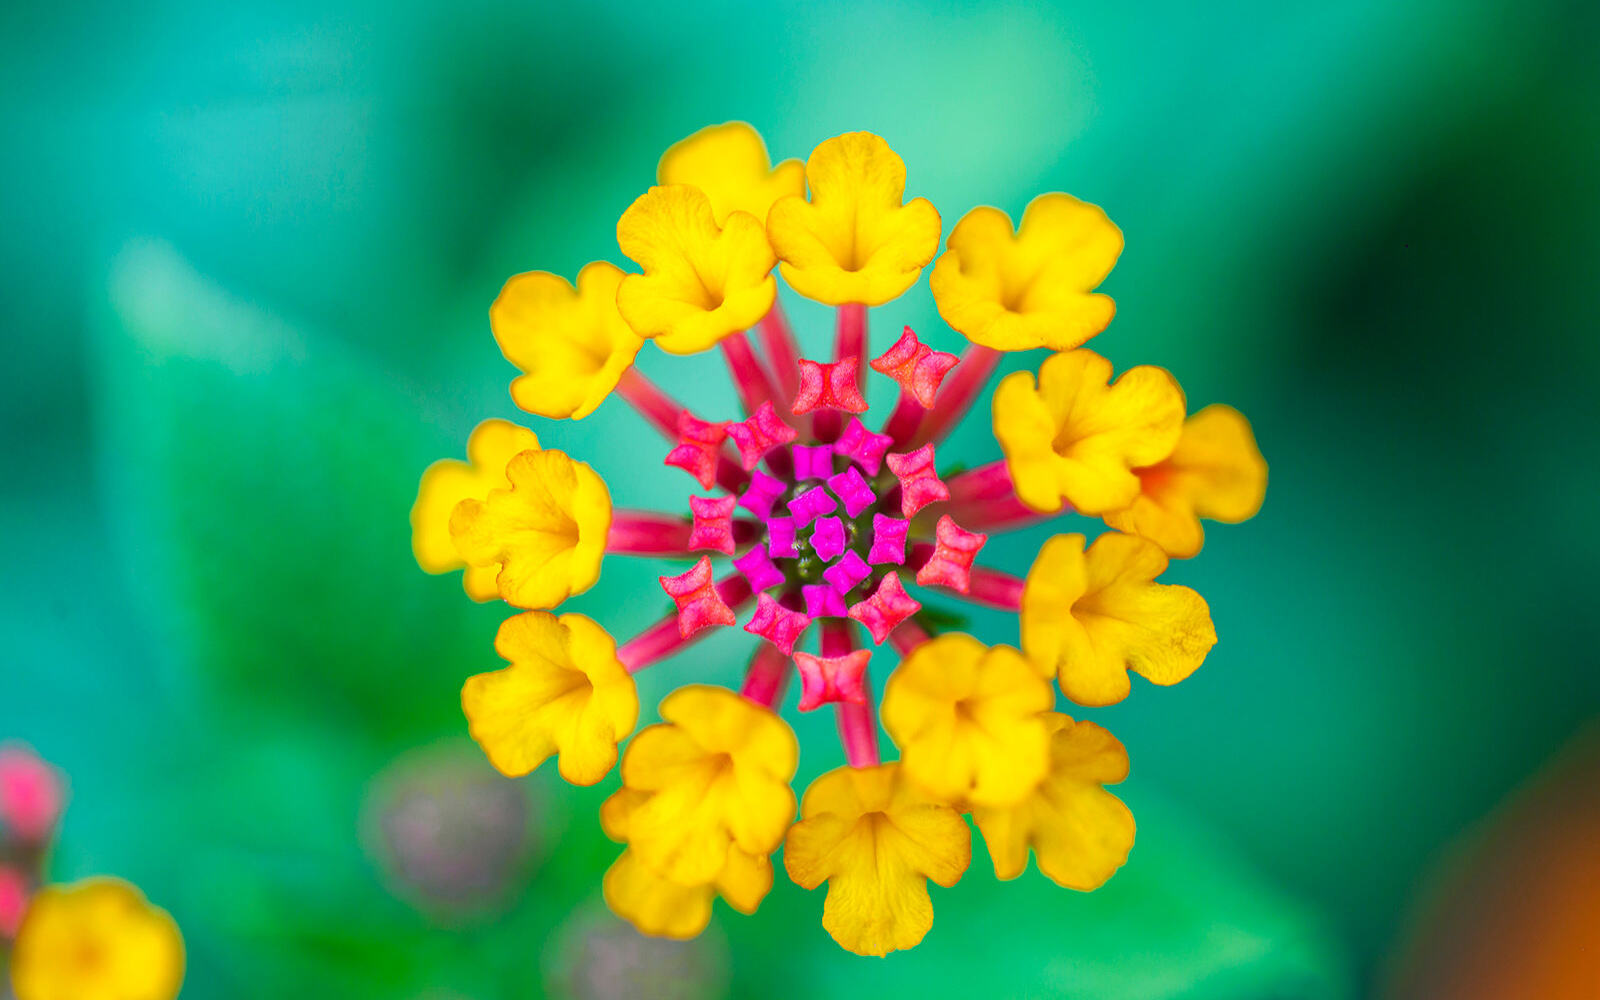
803,520
95,939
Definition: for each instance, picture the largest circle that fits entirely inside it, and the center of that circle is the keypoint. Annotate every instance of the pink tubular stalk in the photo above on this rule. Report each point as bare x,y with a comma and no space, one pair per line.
858,724
663,639
965,382
662,411
647,533
783,352
986,482
1003,513
750,379
767,676
908,635
904,421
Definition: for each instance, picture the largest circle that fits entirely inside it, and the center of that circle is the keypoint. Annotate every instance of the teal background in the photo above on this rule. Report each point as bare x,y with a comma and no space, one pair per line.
245,260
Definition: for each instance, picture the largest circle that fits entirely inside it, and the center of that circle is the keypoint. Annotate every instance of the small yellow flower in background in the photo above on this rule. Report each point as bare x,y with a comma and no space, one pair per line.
449,481
729,162
1032,288
802,514
1077,436
717,773
1216,472
856,240
547,531
98,939
564,693
1080,833
967,720
570,342
876,839
701,281
1091,616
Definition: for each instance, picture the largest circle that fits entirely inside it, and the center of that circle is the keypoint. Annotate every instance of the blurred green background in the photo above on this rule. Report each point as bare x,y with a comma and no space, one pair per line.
248,252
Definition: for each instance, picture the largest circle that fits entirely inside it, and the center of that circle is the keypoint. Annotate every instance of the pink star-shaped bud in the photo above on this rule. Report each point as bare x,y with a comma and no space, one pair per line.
847,572
888,540
758,567
761,494
777,624
852,491
829,385
827,538
695,594
862,446
780,537
920,485
763,431
917,367
810,505
713,523
812,461
699,442
953,551
822,600
888,606
825,679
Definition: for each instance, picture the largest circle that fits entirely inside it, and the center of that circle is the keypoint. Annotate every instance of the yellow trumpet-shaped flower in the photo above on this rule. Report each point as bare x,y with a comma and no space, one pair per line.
564,693
547,531
967,720
1032,288
1091,616
876,839
98,939
856,240
717,771
449,481
701,281
1080,833
570,342
1077,436
729,163
1216,472
657,905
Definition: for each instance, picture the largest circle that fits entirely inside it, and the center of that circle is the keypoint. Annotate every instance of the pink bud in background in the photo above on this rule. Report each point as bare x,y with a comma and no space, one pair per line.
30,794
13,900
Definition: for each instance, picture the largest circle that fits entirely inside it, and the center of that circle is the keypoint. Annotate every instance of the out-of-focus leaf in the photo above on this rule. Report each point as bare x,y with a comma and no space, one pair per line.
1183,919
259,483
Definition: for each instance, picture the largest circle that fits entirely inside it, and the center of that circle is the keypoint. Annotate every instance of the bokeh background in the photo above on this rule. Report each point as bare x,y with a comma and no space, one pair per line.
246,255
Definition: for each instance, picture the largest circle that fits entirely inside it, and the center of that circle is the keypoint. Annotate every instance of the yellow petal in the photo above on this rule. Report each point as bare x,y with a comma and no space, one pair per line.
875,838
701,281
1077,436
655,905
571,343
1032,288
449,481
966,718
98,939
745,880
548,531
1216,472
565,693
718,769
1079,832
1090,617
855,240
729,163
